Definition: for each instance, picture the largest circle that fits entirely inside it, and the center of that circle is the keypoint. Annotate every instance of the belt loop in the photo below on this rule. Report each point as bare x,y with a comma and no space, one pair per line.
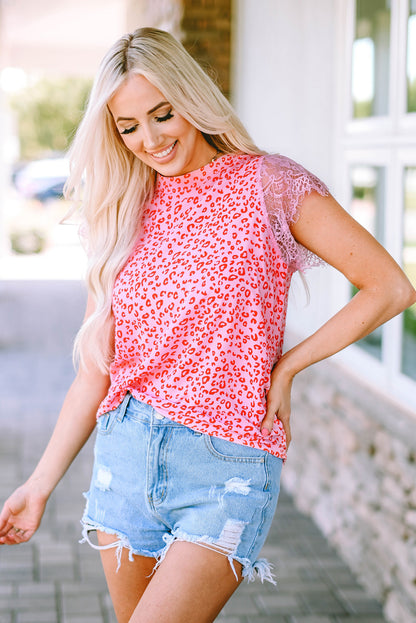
123,407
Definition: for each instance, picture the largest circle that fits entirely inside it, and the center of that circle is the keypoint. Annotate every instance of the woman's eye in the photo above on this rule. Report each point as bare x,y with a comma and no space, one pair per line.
165,117
129,130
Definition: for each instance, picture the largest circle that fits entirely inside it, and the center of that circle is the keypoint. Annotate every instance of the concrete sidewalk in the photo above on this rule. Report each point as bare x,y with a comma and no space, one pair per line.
53,579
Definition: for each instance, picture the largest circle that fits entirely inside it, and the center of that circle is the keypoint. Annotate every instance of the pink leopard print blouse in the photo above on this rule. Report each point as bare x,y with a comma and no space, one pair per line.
200,304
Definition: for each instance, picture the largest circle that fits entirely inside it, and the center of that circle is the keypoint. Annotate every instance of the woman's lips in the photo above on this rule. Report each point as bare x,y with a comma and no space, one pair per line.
160,155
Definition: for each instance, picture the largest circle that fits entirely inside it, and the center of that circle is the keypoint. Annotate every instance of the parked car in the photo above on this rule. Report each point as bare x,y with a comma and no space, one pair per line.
42,179
51,192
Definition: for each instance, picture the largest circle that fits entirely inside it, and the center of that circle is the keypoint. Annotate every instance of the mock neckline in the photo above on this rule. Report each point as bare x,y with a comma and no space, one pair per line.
202,172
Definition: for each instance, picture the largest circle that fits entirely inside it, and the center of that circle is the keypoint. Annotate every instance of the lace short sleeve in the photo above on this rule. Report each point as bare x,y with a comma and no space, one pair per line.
285,183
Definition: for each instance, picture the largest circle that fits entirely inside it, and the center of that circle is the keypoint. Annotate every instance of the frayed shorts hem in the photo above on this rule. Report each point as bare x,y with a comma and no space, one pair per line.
261,568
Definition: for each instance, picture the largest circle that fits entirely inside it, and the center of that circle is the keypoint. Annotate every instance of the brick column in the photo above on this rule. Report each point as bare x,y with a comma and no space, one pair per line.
206,28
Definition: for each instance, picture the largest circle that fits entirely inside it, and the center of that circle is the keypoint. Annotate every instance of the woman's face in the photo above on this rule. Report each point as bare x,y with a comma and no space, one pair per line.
154,131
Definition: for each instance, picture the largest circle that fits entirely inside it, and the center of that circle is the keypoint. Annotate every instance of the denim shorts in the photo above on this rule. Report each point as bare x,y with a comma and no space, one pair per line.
156,481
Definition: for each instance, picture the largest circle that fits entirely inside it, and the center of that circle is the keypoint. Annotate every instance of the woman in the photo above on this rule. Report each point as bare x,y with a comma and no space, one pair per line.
193,235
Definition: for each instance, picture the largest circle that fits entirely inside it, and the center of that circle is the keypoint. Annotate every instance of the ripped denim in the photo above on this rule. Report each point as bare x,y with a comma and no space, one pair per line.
156,481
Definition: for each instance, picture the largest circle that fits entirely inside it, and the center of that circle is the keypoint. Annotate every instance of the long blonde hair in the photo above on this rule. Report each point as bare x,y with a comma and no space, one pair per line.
111,184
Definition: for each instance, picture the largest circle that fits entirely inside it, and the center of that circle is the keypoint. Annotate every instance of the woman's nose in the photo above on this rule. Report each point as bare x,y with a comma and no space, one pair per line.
150,136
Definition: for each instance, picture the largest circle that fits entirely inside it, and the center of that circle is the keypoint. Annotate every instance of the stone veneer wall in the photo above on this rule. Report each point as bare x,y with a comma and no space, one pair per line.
352,467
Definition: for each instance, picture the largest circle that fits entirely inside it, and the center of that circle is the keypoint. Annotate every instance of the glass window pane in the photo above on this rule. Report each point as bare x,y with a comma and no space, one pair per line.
370,58
409,265
367,207
411,58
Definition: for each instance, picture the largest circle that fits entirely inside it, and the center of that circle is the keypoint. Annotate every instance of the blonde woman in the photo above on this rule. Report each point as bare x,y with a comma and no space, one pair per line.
193,235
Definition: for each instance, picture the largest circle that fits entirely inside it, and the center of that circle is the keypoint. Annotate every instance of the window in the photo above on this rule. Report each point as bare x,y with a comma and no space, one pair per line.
367,207
370,59
378,146
411,58
409,265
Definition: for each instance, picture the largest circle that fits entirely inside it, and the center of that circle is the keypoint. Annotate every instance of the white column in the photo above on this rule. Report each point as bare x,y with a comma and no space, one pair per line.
3,236
163,14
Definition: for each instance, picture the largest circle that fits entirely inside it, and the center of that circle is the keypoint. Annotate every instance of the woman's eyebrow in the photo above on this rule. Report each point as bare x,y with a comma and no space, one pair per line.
149,112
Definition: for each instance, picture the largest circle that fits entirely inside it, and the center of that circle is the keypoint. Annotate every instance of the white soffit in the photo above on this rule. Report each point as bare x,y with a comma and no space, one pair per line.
60,36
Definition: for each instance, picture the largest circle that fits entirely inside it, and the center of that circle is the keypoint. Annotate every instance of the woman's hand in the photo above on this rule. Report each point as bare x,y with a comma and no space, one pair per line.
21,515
278,401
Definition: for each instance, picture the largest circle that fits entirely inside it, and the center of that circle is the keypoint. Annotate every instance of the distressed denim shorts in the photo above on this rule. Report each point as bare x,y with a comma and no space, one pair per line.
156,481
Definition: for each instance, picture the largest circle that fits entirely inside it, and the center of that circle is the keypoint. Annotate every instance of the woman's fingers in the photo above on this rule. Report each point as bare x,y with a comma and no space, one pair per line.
6,520
267,424
14,536
285,419
278,406
20,516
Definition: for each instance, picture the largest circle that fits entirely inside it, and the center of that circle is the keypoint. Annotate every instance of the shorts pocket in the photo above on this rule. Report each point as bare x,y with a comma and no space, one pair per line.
106,422
230,451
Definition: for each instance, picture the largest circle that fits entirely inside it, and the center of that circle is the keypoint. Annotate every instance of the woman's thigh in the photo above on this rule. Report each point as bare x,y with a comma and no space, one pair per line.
192,584
126,582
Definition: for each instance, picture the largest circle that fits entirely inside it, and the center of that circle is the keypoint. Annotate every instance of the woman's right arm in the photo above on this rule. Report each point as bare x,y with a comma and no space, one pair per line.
23,510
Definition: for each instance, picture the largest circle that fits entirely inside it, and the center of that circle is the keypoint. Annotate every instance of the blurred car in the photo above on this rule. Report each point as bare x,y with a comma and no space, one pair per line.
42,179
51,192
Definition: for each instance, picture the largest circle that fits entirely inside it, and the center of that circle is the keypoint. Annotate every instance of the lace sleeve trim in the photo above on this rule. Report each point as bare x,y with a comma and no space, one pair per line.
285,183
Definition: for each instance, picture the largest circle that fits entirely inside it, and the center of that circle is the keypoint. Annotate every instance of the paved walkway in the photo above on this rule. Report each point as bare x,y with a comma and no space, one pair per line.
53,579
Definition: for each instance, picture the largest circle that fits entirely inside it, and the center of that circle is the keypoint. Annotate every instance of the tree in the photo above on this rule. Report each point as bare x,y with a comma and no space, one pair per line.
48,114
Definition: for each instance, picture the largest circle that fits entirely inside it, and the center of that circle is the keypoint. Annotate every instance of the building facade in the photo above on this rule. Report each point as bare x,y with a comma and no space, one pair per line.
332,84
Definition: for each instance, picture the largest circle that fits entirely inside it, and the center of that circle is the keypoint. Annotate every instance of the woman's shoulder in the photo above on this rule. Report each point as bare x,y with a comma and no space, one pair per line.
285,183
274,164
279,163
278,174
289,175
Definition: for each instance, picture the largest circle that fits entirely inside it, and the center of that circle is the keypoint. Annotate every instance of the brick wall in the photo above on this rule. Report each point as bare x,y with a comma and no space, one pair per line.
352,467
206,28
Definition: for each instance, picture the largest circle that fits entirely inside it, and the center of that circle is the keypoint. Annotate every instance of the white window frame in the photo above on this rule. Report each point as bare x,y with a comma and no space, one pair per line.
387,141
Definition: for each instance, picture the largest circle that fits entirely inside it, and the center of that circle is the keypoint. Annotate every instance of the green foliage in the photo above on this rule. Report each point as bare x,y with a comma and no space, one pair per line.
48,114
411,96
363,109
409,321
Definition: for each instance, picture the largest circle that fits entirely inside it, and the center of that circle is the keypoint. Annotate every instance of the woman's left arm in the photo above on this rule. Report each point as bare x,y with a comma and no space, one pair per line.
383,291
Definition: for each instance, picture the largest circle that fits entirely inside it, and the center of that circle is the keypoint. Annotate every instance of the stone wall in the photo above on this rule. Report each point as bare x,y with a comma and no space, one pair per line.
206,28
352,467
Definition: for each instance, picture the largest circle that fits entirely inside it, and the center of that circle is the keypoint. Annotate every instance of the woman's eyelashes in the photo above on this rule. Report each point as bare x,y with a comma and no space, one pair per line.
129,130
166,117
